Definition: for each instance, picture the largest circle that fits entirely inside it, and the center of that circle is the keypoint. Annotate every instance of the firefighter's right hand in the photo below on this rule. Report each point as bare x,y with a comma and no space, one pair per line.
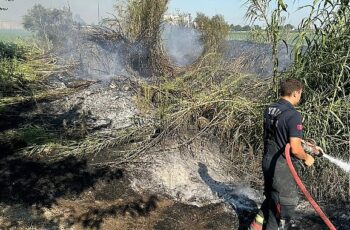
309,160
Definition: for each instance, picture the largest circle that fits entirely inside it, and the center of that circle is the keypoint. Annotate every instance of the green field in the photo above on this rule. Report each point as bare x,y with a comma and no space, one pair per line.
13,34
237,35
246,36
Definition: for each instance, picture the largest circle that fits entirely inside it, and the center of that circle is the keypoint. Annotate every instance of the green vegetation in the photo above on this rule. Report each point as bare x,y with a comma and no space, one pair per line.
34,135
260,10
324,67
24,64
214,31
246,28
258,36
239,35
8,35
17,67
289,37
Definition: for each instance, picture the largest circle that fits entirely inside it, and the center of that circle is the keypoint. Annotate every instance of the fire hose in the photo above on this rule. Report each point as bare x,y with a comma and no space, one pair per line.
304,190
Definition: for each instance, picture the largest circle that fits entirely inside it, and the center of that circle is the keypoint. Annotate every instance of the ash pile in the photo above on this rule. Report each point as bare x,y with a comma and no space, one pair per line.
99,106
105,71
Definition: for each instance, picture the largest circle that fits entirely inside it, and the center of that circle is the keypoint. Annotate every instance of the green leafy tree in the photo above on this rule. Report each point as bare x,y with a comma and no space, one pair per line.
246,28
235,27
214,31
289,27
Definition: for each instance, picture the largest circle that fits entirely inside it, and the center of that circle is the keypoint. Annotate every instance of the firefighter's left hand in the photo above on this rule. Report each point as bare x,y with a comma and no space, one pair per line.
309,161
315,150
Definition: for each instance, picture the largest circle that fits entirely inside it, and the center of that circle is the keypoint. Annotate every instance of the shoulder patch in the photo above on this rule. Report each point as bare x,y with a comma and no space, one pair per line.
299,127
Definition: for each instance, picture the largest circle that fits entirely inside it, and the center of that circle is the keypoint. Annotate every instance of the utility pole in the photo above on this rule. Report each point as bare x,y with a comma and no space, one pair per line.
98,12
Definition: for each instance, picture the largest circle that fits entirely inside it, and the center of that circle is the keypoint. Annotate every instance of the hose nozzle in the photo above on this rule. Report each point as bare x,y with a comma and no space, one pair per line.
320,152
313,149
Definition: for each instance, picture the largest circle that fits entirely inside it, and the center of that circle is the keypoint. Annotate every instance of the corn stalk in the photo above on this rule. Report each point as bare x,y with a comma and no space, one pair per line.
258,10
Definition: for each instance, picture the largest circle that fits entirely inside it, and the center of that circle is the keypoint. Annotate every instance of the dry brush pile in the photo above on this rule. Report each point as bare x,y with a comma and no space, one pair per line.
136,35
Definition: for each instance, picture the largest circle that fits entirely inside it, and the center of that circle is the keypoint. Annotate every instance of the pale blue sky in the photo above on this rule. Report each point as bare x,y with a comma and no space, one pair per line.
233,10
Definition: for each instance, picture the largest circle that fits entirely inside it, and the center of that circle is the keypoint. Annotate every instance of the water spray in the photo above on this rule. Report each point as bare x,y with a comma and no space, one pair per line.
342,164
319,152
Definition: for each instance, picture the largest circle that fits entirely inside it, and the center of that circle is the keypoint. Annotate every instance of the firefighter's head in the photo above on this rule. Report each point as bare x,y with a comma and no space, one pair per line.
291,89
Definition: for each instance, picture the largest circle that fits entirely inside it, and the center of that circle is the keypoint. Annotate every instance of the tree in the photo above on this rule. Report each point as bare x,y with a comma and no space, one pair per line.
214,31
289,27
238,28
235,27
246,28
49,24
232,27
256,27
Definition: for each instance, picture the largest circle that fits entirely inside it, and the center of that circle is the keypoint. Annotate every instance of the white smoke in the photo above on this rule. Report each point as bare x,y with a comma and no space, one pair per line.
182,44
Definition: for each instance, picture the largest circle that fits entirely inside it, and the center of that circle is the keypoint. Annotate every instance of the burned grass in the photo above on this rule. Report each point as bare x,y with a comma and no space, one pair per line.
31,182
72,193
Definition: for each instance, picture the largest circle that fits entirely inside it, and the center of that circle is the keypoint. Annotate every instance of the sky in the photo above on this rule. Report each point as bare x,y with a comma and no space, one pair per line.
232,10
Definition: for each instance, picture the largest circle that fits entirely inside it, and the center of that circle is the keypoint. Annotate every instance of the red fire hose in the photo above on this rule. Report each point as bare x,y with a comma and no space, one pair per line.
306,193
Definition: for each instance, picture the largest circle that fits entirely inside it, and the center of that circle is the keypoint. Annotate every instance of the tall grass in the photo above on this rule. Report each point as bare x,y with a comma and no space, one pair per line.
17,67
141,23
260,10
324,66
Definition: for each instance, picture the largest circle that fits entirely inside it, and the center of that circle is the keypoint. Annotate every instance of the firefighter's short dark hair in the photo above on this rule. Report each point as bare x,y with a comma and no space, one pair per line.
290,85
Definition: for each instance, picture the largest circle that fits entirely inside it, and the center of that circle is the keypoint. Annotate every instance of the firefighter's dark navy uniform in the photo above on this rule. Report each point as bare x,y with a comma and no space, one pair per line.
281,121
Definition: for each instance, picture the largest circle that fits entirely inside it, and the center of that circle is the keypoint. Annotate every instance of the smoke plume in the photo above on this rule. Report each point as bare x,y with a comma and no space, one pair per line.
182,44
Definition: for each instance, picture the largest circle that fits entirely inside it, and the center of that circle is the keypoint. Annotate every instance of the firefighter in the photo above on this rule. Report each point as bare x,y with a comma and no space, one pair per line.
282,125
